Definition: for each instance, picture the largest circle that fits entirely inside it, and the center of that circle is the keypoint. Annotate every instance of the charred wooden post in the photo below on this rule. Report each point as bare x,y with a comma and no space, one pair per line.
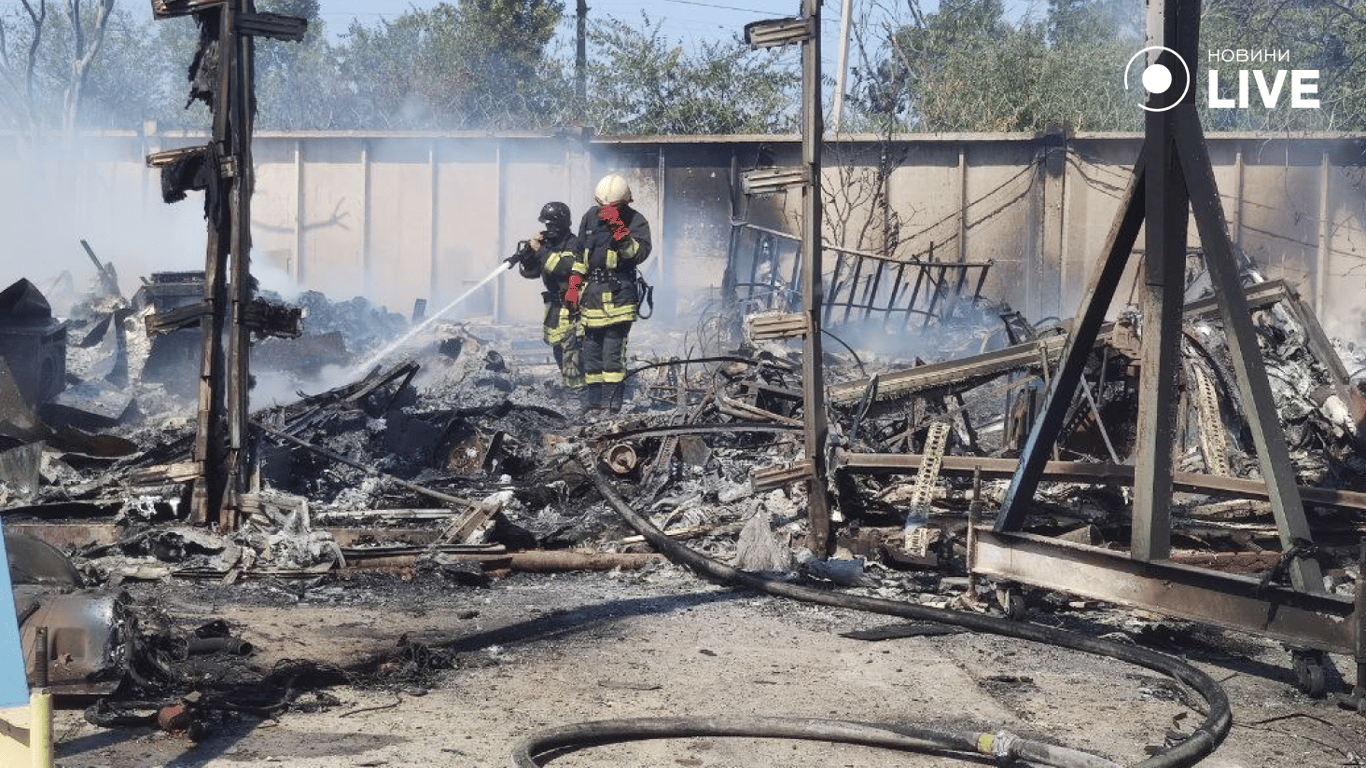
806,31
221,76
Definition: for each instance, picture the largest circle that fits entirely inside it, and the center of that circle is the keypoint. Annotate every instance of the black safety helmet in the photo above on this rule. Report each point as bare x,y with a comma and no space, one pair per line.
555,217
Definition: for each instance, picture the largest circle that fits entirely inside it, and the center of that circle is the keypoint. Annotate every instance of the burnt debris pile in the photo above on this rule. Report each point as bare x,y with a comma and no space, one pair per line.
459,459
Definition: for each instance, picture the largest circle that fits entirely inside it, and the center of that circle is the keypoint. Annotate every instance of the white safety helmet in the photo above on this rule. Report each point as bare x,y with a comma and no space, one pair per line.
611,190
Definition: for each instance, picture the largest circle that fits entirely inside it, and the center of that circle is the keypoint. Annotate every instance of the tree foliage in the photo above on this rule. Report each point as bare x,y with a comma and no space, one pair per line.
969,65
479,64
640,82
966,67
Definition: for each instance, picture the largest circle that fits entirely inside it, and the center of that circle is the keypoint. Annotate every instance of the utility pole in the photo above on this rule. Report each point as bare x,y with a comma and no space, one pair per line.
581,52
817,430
776,33
837,109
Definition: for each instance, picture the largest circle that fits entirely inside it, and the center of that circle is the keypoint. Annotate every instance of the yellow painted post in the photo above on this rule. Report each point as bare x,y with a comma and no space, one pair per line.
40,745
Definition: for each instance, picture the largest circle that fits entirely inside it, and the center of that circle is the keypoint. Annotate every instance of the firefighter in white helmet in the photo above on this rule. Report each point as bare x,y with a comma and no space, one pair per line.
616,239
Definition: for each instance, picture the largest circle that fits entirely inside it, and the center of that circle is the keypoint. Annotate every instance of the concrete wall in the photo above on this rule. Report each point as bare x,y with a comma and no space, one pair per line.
406,217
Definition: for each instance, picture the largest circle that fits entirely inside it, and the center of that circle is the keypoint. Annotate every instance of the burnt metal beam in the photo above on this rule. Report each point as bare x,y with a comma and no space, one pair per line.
1242,603
1273,456
1089,472
1164,284
1058,397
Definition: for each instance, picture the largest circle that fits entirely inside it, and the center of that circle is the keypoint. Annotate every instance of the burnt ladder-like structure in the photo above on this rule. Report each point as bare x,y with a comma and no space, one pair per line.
1172,178
222,75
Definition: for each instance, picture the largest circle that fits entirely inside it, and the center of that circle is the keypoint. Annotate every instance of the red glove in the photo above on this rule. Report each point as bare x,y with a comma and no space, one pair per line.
571,295
609,215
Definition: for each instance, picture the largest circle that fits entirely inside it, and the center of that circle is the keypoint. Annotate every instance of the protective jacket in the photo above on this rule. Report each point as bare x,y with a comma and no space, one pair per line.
611,295
554,263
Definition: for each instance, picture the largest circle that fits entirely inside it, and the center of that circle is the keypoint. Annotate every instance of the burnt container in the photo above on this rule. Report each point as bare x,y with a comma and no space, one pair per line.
32,342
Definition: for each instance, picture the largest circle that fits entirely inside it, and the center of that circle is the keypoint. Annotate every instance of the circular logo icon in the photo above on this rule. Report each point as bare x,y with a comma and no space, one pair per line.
1158,78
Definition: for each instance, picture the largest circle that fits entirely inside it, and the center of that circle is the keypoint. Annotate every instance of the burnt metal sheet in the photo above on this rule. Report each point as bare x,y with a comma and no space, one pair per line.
32,341
94,404
1236,602
82,641
32,561
20,465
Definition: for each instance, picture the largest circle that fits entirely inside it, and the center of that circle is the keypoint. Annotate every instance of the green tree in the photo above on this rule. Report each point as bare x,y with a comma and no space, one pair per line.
1327,36
298,84
968,68
477,64
640,82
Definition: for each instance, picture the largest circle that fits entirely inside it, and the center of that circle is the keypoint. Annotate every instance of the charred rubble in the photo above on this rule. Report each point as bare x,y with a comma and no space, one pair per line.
460,459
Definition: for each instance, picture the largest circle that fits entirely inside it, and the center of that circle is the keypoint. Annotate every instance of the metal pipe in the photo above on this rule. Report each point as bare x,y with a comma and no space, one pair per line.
1360,611
40,658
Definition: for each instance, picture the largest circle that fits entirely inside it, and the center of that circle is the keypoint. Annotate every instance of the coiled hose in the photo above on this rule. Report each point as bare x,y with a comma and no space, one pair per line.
1204,740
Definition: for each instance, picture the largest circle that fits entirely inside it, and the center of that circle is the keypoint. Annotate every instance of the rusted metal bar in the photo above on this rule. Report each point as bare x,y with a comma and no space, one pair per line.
853,287
1359,690
41,658
834,286
938,281
1227,600
896,291
981,280
1272,453
915,291
870,296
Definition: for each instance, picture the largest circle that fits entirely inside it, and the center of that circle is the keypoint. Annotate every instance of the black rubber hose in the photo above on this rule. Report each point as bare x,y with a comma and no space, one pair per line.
880,735
1190,751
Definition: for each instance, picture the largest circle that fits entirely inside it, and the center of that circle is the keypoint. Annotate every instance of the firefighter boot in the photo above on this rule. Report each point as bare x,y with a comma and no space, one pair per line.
590,398
615,394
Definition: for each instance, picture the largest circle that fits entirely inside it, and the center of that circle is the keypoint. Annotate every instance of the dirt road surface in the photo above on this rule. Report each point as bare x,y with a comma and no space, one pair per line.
538,651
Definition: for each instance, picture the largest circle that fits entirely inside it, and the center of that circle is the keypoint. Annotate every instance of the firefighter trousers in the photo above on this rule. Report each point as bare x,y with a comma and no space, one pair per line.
604,354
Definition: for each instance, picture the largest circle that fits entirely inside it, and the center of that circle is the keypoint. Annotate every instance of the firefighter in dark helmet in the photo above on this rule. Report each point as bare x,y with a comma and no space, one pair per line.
616,240
554,255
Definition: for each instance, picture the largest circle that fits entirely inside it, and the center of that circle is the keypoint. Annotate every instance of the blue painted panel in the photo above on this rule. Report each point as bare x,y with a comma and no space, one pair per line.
13,679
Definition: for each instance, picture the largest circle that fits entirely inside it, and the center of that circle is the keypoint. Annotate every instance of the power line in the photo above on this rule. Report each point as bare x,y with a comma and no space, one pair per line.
722,7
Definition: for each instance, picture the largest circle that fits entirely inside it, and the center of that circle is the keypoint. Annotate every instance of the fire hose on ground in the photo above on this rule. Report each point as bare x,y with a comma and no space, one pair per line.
1002,745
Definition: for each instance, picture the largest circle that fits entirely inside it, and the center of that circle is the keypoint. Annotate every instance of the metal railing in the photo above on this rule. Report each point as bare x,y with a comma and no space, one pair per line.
764,267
